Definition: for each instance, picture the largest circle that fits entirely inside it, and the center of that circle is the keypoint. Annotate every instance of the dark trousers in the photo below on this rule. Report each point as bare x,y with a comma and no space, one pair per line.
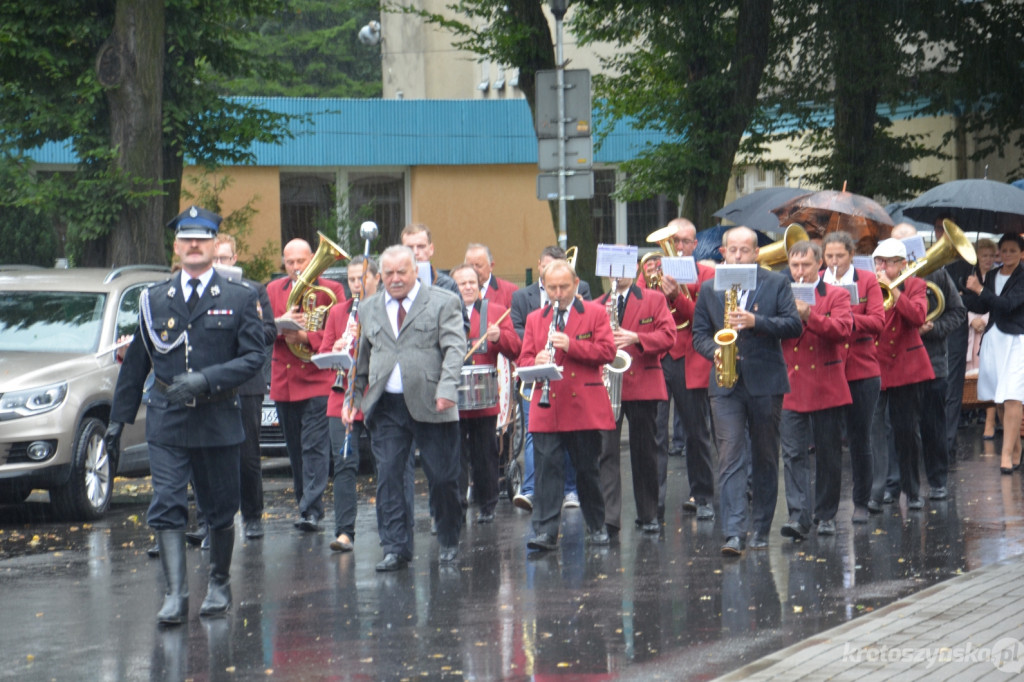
643,458
739,416
346,468
956,359
903,408
934,443
215,476
795,432
479,447
308,441
692,406
859,427
393,430
549,462
251,470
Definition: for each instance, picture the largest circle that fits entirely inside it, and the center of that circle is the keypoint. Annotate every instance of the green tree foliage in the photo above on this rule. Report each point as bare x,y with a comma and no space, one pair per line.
313,46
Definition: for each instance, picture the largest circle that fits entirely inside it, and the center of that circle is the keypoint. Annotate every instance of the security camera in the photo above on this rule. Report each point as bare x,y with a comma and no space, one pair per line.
370,34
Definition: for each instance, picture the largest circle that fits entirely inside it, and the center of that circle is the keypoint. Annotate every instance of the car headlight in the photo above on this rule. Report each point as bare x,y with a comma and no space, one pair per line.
32,401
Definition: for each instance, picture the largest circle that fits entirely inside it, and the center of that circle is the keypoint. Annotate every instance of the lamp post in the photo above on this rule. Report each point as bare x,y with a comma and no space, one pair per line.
558,8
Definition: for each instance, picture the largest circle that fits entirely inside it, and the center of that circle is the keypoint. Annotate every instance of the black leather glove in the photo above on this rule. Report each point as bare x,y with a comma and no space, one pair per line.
185,387
112,437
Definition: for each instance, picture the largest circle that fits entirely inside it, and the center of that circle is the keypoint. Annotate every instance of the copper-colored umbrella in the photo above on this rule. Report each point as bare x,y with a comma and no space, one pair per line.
832,211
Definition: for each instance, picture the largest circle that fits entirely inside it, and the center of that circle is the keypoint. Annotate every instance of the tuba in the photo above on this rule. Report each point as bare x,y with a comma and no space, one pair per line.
611,374
953,244
725,355
304,292
662,237
776,253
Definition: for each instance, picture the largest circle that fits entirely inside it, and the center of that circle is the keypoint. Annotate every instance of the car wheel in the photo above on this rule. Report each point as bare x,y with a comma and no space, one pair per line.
86,495
14,492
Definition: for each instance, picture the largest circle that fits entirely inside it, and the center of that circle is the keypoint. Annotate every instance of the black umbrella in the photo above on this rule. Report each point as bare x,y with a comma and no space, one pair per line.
895,212
982,205
755,209
709,240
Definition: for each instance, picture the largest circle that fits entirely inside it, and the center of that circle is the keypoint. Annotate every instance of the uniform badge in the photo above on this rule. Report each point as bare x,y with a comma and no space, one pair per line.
163,335
170,323
215,290
584,337
171,292
647,320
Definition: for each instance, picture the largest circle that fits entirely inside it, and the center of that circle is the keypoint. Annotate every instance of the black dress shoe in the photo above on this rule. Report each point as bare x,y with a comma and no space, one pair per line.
732,547
690,505
598,537
485,517
309,523
154,551
254,528
795,530
391,562
542,542
652,527
759,541
447,554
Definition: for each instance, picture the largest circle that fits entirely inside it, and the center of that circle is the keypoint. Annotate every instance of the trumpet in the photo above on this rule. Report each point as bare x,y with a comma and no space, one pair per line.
545,389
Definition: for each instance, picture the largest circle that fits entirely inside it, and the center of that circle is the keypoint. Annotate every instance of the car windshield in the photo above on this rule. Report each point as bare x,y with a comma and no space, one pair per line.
50,321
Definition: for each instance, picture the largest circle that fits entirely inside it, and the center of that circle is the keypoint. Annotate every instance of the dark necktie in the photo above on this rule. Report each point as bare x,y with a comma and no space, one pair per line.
560,321
193,298
622,308
401,312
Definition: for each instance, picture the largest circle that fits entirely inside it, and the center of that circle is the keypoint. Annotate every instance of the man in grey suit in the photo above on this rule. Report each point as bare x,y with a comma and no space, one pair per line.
752,408
407,376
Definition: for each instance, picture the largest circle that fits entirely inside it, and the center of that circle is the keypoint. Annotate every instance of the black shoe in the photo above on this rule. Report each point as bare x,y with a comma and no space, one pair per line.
447,554
705,512
391,562
542,542
732,547
915,503
254,528
599,537
154,551
827,527
652,527
309,523
690,505
196,537
795,530
874,507
485,517
938,493
888,498
860,514
759,541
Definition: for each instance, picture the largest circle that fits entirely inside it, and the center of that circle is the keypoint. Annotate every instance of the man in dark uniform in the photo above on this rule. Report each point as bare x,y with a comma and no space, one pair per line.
200,334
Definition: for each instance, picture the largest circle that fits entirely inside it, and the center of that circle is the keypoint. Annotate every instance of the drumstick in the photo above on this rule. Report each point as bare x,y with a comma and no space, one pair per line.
484,336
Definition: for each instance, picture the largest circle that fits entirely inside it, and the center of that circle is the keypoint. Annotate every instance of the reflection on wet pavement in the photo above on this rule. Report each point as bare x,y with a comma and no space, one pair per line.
83,598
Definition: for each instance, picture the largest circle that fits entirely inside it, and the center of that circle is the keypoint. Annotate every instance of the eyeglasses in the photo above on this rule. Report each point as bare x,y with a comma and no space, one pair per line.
222,259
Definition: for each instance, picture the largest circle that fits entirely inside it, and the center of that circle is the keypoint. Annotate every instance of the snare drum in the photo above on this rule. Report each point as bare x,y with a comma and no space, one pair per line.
478,387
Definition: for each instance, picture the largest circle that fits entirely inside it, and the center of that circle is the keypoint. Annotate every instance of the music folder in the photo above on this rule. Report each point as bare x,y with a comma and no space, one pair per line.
549,371
332,360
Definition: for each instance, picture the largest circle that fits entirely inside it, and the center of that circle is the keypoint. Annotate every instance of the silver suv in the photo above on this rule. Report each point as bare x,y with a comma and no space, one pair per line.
58,369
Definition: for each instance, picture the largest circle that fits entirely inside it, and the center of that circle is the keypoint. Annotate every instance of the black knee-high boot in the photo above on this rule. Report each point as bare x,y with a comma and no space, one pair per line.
172,556
218,594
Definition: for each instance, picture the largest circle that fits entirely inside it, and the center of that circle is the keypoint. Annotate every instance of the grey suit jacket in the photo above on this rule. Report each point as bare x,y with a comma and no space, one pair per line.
428,349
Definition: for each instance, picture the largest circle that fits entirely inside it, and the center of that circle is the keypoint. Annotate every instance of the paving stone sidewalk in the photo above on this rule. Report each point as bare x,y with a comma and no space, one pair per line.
968,628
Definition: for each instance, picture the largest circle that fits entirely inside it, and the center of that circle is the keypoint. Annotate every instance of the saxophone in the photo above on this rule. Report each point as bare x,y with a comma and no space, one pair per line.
304,292
725,355
611,374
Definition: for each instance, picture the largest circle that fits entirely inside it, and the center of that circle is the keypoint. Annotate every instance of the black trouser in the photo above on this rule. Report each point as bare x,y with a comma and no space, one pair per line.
903,406
956,368
693,408
308,441
215,474
795,434
934,443
549,463
643,457
346,469
859,425
251,470
479,446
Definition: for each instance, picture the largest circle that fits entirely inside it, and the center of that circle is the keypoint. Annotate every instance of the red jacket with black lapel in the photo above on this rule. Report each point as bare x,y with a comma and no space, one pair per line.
500,291
508,344
646,314
815,359
902,356
579,401
698,368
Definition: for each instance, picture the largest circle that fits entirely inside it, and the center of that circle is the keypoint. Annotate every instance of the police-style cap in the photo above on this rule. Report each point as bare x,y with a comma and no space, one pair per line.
890,248
195,223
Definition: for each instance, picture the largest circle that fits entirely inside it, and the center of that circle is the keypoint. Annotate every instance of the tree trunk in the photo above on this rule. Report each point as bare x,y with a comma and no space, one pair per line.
131,65
855,31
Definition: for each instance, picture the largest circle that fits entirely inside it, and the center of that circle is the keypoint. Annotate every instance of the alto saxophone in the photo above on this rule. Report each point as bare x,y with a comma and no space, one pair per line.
725,355
611,374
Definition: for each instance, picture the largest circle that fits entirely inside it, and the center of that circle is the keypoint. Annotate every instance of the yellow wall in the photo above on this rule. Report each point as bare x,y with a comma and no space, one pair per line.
493,205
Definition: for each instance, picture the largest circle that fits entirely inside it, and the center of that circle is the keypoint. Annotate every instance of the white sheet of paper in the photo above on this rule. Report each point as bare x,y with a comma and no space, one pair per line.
682,269
423,274
854,294
338,360
744,275
539,372
616,261
864,263
287,325
229,271
803,292
915,248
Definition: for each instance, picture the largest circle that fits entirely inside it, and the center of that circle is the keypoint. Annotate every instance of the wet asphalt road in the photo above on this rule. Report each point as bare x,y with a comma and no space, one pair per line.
78,601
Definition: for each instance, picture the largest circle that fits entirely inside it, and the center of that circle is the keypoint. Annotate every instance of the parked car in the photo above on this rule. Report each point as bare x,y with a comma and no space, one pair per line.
58,370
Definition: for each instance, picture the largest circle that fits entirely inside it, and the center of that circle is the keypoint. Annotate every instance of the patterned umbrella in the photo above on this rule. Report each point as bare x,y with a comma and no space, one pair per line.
983,205
832,211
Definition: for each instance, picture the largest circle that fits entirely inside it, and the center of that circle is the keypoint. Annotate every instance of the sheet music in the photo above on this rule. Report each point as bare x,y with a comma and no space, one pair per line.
803,292
864,263
285,324
915,248
854,294
743,275
423,274
682,269
616,261
340,360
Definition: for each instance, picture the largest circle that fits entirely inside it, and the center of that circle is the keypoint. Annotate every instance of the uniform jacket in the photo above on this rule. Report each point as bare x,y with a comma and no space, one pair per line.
579,401
816,358
868,318
293,379
759,360
527,299
334,329
500,291
901,353
646,314
1006,310
952,318
508,344
698,368
225,343
429,349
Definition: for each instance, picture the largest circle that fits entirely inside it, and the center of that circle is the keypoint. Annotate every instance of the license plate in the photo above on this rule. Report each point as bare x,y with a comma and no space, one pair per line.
269,416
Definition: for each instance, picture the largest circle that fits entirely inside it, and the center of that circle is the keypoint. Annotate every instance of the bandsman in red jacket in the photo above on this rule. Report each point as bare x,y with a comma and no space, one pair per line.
300,389
904,365
583,343
862,371
644,329
492,287
818,393
477,427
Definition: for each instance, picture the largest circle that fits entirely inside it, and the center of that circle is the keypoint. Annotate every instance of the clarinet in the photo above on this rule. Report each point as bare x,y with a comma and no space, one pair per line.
545,400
